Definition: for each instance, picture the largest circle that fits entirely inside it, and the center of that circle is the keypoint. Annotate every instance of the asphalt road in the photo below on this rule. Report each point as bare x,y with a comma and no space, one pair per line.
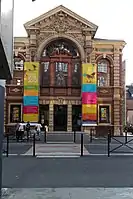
91,171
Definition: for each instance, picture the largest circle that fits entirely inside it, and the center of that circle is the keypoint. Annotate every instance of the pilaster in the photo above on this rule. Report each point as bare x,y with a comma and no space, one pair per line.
51,116
69,117
93,57
32,45
117,111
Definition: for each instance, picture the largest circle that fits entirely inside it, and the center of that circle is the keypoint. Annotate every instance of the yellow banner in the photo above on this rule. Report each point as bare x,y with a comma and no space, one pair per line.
89,73
31,73
30,117
30,93
89,108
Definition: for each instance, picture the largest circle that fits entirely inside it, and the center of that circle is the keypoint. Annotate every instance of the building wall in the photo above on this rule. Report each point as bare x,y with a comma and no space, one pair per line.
91,50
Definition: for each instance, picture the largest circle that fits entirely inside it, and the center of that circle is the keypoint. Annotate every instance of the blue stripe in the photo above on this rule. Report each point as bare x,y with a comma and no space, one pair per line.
89,87
30,100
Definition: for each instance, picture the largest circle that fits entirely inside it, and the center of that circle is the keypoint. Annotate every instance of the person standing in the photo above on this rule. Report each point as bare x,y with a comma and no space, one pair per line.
38,129
21,131
17,131
28,130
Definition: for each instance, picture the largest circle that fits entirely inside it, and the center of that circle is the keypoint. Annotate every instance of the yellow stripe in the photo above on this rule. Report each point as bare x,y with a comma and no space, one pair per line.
89,108
30,117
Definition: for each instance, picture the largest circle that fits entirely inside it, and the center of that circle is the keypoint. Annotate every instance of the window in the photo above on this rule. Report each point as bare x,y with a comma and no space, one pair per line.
61,70
18,82
60,46
61,67
76,75
45,73
104,114
18,63
103,73
46,66
15,113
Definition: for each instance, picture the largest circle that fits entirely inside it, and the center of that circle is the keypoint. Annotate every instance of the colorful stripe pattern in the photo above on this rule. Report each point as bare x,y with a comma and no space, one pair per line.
31,90
89,94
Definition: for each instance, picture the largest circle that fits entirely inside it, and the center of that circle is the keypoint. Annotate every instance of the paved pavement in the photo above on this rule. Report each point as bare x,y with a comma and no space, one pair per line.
69,193
56,150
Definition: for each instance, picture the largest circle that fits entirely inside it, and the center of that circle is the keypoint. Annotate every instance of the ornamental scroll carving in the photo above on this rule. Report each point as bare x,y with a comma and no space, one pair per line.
61,23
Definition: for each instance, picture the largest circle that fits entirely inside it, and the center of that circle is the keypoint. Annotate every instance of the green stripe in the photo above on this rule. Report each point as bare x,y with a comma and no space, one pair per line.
31,87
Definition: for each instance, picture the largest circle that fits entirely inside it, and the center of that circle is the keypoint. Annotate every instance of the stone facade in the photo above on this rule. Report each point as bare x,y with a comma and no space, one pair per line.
62,23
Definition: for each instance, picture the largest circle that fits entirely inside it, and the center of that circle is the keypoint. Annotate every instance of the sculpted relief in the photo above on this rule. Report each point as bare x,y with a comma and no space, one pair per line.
60,23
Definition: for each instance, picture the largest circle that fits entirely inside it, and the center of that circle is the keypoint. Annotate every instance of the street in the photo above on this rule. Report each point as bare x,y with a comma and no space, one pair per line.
90,171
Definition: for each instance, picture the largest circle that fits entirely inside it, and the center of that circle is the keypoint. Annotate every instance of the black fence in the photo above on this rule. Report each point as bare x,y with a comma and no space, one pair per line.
79,138
122,141
73,137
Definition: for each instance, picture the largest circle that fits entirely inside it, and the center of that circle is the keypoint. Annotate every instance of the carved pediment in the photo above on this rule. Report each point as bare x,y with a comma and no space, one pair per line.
61,19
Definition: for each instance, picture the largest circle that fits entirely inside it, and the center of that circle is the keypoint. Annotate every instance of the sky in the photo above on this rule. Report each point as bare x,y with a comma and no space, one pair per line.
114,19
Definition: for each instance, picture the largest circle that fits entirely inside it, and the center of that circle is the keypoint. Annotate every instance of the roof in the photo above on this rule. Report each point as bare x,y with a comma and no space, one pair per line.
58,9
122,42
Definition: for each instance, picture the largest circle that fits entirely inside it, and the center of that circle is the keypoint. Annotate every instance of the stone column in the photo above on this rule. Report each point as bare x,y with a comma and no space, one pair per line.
51,116
69,117
88,47
117,111
32,46
93,57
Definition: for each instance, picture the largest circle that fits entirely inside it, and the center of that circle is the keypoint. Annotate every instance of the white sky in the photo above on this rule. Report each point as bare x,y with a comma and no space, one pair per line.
114,18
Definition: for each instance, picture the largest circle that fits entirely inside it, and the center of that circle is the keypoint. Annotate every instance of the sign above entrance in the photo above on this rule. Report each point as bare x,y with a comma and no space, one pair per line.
89,94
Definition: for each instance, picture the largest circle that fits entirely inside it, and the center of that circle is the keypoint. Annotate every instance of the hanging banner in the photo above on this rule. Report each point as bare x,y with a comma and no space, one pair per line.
31,91
89,94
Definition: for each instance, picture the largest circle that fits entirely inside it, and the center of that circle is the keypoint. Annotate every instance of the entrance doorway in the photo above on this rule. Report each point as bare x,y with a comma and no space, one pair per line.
60,117
76,117
44,115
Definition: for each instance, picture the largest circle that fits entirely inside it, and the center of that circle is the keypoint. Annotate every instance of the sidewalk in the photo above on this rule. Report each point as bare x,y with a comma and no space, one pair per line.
70,193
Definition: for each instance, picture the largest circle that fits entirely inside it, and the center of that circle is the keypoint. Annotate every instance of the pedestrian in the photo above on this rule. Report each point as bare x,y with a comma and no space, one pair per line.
38,129
17,131
21,131
28,130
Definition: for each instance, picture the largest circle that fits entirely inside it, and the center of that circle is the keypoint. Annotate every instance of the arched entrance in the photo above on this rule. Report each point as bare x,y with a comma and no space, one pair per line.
60,63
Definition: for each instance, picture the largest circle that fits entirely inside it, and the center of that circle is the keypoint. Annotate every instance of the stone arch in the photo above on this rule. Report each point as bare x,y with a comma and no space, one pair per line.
22,56
108,57
63,36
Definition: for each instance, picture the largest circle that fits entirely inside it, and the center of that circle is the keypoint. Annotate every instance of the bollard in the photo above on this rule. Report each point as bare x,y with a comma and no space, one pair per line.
74,138
7,146
109,138
90,135
126,137
82,143
34,152
45,135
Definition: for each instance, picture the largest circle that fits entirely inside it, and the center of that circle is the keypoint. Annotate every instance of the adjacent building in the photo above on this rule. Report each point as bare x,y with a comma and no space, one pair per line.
61,40
129,104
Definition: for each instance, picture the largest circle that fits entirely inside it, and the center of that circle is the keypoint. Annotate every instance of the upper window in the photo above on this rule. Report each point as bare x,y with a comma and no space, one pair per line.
61,74
18,63
76,74
103,68
60,46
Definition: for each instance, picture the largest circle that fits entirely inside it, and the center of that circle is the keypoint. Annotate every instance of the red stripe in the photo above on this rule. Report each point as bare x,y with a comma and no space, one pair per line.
30,109
90,116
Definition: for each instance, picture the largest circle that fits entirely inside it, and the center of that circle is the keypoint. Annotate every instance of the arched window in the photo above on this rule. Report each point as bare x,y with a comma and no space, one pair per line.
60,63
103,69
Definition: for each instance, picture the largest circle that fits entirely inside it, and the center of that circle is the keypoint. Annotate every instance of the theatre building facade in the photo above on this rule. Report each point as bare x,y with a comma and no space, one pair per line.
61,41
